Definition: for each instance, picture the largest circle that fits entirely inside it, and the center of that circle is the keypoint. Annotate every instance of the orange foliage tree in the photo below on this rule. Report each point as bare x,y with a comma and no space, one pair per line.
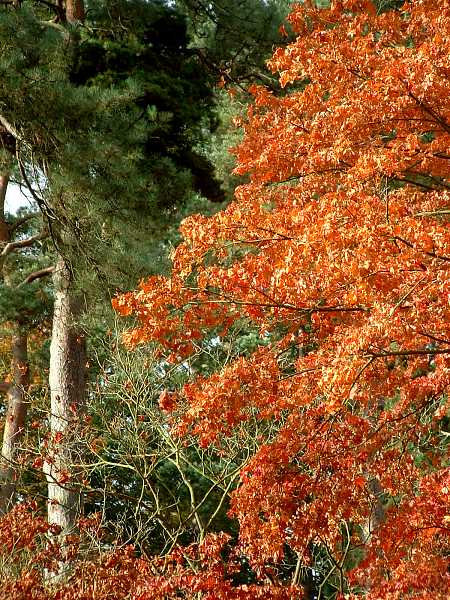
197,571
338,250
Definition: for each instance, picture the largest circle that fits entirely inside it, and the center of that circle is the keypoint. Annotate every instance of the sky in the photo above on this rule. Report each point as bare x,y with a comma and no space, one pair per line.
15,199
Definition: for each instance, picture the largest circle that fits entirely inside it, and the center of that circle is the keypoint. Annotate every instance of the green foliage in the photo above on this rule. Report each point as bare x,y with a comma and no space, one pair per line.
149,42
386,5
236,38
152,489
226,136
27,305
108,127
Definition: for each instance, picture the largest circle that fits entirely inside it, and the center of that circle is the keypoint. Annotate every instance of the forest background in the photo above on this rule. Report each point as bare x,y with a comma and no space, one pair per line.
271,419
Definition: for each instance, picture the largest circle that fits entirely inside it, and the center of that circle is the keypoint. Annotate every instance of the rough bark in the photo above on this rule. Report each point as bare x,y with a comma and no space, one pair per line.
16,412
378,510
16,389
67,382
4,229
75,11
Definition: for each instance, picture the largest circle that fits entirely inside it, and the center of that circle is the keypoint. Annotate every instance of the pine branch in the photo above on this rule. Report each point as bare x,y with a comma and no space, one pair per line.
9,128
21,221
11,246
37,275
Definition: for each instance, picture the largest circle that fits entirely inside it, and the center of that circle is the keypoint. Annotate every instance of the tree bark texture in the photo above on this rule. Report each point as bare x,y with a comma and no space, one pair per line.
67,382
378,512
16,411
4,229
75,11
16,389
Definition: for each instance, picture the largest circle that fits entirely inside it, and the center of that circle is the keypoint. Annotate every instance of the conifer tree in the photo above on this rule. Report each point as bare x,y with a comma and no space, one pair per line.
21,307
81,138
41,109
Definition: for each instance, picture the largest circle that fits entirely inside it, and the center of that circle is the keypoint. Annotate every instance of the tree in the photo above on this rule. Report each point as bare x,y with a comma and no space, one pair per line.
23,305
152,489
149,42
234,39
39,107
100,146
338,250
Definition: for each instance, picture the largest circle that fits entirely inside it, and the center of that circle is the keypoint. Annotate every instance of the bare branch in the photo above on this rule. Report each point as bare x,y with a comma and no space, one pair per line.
57,8
433,337
46,210
306,310
37,275
430,111
410,245
438,212
9,128
23,243
423,352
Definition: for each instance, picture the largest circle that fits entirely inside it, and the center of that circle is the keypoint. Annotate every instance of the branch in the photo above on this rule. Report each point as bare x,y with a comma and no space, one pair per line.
438,212
430,111
433,337
438,180
22,220
419,184
58,27
55,7
24,243
38,200
45,209
37,275
410,245
306,310
9,128
408,352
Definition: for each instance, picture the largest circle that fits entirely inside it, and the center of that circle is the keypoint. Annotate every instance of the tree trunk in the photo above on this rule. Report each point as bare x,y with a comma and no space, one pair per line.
67,390
75,11
15,417
4,229
378,512
16,405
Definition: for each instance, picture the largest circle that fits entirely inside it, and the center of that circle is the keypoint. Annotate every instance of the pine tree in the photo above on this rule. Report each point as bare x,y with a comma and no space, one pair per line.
81,140
22,306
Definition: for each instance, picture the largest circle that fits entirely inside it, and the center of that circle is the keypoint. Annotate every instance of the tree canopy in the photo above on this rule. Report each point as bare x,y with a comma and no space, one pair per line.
338,250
